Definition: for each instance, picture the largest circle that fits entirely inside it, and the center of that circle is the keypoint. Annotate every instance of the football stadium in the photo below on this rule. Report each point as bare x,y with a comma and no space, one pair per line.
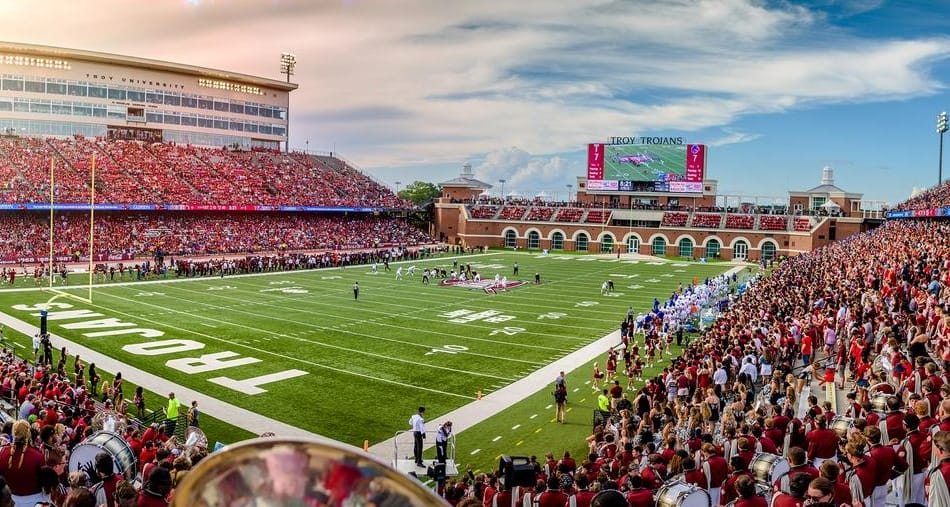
191,309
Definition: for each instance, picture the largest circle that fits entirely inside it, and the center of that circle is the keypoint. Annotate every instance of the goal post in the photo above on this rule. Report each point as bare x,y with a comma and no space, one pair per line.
56,292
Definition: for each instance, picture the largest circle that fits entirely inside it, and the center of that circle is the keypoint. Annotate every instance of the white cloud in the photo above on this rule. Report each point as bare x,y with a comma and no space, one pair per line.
733,137
423,82
525,172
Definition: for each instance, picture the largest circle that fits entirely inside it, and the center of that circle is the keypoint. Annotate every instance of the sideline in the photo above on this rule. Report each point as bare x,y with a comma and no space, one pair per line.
492,404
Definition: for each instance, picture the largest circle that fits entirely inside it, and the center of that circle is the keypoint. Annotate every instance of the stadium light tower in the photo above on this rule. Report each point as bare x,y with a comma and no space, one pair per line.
287,63
941,130
502,181
569,187
397,187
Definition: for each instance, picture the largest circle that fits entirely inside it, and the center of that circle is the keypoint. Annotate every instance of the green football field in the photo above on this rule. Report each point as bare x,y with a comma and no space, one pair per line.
362,366
644,162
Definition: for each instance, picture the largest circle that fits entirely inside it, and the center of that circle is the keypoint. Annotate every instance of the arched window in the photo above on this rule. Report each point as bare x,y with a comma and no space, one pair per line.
534,239
557,241
511,239
581,244
633,244
768,250
659,246
740,250
686,247
607,243
712,248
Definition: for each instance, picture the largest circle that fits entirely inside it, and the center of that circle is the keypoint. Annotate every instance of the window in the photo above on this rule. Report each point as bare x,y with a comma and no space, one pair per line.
76,90
557,241
206,122
511,239
189,120
220,123
14,85
116,94
237,125
581,244
6,106
172,119
153,117
40,106
265,129
57,88
659,246
221,106
280,112
534,239
607,243
740,250
36,86
154,97
633,244
686,247
21,106
237,108
278,131
250,127
189,100
172,99
768,250
99,111
251,110
205,103
82,110
60,108
98,92
267,112
712,248
115,113
136,96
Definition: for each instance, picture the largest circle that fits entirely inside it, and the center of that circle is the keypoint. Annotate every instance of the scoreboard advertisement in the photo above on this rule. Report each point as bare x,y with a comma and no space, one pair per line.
646,167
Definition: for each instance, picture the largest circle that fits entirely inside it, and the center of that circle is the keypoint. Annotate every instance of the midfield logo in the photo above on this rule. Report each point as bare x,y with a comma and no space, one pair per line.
489,286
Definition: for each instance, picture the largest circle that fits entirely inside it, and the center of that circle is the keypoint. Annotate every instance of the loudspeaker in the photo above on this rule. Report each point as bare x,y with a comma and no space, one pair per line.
517,471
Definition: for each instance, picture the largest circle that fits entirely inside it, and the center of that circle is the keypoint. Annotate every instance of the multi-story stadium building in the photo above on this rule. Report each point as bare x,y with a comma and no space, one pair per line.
49,91
690,226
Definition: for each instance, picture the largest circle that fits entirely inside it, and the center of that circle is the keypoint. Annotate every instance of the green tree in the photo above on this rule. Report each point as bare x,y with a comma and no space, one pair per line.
420,192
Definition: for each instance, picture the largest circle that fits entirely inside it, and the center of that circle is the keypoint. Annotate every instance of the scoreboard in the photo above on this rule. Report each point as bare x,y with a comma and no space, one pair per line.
646,167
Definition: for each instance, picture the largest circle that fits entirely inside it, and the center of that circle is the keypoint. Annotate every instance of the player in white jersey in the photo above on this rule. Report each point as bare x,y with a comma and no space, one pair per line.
603,289
504,283
411,271
375,270
399,273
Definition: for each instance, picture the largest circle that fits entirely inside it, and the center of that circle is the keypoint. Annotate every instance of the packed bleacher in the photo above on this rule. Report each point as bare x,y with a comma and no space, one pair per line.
674,219
745,222
802,224
161,173
183,233
707,220
773,222
936,197
569,215
540,214
483,212
597,216
512,212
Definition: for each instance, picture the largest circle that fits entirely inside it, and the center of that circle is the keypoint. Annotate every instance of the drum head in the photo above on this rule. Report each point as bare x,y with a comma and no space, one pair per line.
83,456
680,494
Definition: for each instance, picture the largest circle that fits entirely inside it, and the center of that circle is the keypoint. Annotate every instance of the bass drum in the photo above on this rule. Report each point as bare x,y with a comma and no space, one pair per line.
767,468
842,426
680,494
882,388
84,454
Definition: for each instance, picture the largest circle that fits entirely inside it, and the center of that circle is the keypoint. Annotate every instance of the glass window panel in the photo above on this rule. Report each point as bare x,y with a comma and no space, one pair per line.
21,106
99,112
82,110
187,101
36,86
237,125
251,110
237,108
191,121
280,113
205,122
77,90
172,119
62,109
172,99
265,129
116,115
136,96
153,98
116,94
250,127
153,117
40,106
221,124
221,106
98,92
6,106
205,103
278,131
15,85
57,88
267,112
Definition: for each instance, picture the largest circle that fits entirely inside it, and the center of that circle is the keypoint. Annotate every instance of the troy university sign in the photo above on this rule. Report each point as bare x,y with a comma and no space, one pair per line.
96,325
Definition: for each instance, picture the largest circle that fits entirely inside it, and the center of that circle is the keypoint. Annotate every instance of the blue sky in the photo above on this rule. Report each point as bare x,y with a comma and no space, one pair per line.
413,89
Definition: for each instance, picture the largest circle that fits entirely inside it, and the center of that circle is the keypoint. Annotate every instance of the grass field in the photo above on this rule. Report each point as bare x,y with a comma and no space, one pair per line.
651,160
363,366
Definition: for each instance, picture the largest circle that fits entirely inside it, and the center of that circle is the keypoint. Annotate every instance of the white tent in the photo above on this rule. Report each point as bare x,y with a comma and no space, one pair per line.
830,206
541,195
514,194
